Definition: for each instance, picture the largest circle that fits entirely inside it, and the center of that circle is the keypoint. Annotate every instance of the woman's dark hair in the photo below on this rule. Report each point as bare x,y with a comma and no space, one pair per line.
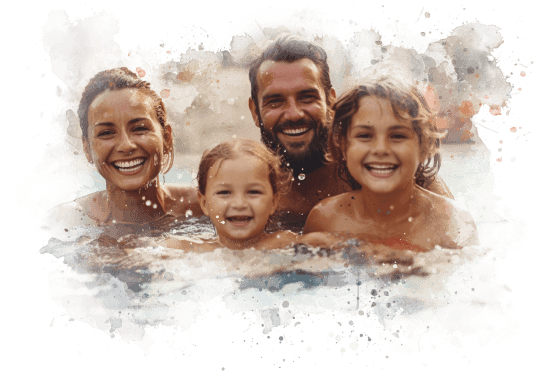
407,103
118,79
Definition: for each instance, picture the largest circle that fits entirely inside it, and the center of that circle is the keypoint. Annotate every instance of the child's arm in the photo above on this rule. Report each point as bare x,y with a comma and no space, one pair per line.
191,244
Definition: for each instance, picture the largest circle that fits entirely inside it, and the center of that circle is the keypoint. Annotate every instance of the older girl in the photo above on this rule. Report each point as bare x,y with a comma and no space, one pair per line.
385,144
126,136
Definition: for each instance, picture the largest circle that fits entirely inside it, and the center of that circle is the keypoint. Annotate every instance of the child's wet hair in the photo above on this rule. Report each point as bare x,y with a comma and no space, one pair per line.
279,176
408,103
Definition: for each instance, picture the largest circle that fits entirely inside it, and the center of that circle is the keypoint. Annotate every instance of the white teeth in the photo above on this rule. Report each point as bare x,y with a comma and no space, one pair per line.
129,166
296,131
381,169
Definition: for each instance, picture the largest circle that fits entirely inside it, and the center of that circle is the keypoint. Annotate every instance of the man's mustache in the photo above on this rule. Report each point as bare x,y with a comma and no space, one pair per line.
288,124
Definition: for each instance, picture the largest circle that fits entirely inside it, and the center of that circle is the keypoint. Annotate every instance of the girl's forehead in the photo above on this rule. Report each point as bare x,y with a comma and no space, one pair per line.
244,164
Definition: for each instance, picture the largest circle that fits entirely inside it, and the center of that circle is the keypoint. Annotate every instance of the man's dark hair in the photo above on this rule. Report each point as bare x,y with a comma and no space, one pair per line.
290,48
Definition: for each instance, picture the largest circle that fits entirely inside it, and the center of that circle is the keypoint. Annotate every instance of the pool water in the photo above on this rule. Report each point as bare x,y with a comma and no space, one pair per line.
121,280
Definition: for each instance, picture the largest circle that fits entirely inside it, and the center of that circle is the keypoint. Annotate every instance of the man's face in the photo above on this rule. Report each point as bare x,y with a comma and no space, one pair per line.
293,112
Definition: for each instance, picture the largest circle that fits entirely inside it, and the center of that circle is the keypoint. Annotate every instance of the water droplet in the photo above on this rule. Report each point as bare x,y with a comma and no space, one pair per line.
302,176
143,198
189,213
113,221
154,206
181,199
148,202
410,219
222,222
217,216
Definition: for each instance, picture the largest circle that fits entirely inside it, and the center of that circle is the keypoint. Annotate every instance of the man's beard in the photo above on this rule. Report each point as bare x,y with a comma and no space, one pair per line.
307,161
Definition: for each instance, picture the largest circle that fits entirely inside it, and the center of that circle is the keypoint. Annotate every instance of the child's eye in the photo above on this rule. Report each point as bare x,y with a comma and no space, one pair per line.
223,193
364,135
254,192
399,136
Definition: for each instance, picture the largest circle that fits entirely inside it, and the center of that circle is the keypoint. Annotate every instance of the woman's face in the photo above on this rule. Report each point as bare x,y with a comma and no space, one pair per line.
382,151
126,141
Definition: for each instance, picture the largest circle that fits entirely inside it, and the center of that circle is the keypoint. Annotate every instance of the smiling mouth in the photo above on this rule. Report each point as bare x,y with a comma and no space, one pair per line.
292,132
381,169
239,220
129,166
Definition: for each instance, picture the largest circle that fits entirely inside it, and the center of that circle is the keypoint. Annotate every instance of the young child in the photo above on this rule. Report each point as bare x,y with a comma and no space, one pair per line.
240,184
385,144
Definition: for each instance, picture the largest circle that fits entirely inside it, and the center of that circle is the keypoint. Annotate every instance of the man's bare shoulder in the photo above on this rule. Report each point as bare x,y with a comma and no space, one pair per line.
326,211
73,214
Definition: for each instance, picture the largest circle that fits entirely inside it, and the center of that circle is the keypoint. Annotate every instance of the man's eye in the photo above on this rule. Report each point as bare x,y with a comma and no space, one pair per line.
308,98
273,103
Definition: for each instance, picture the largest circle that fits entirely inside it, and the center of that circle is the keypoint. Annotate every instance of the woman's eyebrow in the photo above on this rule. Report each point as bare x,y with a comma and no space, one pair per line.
104,124
399,127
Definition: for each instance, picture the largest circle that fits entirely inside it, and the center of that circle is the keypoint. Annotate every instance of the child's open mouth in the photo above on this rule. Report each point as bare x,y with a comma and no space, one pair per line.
381,170
239,220
129,166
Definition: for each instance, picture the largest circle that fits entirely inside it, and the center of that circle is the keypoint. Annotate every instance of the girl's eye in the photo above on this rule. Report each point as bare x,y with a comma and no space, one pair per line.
254,192
399,136
223,193
363,135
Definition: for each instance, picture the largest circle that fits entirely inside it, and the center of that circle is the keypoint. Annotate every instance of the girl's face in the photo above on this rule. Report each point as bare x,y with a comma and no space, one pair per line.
239,198
382,152
126,141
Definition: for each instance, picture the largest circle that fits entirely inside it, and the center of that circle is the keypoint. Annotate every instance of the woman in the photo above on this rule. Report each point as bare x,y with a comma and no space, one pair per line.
126,136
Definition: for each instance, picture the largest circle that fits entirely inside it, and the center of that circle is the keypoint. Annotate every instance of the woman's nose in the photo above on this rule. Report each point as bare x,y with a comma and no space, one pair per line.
125,144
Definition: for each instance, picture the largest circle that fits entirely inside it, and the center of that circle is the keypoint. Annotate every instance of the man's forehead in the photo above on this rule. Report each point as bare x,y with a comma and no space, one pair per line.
289,74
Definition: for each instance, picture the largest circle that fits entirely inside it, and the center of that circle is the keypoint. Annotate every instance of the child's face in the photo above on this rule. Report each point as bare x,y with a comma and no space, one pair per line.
382,152
239,198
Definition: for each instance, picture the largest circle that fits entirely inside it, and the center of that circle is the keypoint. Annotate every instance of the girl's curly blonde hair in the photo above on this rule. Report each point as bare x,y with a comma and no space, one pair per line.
408,103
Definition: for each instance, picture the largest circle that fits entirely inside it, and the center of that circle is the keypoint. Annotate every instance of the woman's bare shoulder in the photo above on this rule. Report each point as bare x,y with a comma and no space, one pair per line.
79,212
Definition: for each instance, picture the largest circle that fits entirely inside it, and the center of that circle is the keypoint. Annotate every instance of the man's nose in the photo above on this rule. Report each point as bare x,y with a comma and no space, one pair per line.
293,111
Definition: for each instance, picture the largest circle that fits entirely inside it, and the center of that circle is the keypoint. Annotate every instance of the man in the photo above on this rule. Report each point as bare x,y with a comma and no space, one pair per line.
291,100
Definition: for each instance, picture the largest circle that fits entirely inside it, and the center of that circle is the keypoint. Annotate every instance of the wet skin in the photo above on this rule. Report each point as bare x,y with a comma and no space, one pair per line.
292,92
127,145
383,153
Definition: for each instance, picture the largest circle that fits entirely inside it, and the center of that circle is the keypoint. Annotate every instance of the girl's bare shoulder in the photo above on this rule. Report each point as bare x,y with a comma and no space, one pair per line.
456,220
326,211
